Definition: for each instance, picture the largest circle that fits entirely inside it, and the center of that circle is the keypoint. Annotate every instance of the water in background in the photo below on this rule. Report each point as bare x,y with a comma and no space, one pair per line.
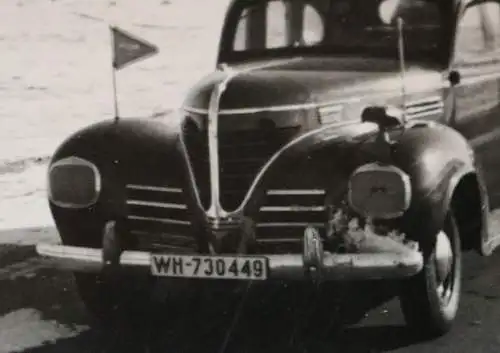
55,74
55,78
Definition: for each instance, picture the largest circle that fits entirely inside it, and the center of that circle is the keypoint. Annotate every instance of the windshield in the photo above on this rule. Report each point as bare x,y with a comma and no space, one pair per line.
337,26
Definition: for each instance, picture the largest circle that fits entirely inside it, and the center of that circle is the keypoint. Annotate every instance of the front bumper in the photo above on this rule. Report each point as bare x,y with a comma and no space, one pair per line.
390,260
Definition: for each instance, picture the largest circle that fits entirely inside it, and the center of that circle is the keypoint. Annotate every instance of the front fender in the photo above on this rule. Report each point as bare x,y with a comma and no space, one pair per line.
128,151
436,158
320,159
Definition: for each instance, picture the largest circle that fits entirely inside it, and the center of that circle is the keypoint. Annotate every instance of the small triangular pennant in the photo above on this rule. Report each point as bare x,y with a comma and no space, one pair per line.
128,49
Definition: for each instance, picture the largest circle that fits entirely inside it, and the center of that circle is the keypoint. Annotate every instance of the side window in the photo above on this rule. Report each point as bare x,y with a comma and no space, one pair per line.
478,32
276,36
240,39
279,18
491,13
313,27
254,31
278,24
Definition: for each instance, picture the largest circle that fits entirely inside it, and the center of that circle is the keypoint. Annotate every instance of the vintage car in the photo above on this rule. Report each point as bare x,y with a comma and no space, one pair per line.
337,140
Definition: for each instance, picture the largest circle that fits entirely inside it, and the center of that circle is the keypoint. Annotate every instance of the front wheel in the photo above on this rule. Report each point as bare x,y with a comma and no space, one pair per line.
430,300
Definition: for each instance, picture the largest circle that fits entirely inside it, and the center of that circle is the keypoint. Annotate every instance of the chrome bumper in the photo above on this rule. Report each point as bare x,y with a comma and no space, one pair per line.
392,261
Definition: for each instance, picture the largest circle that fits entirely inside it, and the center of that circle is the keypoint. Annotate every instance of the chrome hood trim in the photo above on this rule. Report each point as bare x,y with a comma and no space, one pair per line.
215,212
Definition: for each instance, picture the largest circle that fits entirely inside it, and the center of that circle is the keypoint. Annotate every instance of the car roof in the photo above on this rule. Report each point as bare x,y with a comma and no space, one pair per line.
457,1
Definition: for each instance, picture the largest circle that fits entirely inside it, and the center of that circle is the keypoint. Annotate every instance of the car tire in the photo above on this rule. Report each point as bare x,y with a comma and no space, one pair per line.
113,298
430,299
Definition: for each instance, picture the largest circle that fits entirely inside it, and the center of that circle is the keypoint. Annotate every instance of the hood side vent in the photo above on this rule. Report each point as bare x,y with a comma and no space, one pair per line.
285,214
158,218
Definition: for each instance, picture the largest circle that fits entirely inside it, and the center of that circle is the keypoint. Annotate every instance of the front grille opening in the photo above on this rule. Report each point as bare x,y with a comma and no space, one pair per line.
242,155
196,140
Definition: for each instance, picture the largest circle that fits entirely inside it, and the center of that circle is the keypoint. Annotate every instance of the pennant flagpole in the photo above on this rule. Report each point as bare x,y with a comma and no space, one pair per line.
113,74
126,49
115,94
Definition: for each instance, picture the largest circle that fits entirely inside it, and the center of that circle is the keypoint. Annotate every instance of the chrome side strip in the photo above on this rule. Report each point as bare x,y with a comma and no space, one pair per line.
296,192
289,224
160,246
156,204
330,106
159,220
164,235
292,208
330,109
153,188
279,240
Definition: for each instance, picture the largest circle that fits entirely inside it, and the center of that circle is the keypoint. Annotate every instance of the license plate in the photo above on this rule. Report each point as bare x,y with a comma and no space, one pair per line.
217,267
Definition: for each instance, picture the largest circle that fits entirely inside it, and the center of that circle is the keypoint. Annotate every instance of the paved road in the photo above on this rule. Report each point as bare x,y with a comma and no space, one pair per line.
39,304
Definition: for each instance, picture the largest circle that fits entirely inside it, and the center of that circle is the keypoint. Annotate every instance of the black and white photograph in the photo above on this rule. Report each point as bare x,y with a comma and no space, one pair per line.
249,176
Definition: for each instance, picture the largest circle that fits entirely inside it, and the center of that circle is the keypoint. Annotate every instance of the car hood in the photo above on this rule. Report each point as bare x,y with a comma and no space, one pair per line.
307,83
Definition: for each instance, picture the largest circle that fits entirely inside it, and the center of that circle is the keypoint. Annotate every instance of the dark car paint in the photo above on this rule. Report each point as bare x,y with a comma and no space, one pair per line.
123,151
319,80
435,156
227,55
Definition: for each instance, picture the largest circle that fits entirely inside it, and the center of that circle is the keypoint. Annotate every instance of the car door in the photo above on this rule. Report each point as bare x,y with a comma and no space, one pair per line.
477,60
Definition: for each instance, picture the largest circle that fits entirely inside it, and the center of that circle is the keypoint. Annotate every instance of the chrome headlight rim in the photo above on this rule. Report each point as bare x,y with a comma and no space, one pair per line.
75,161
370,167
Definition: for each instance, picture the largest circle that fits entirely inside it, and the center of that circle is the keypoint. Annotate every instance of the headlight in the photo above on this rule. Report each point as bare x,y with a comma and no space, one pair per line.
73,183
379,191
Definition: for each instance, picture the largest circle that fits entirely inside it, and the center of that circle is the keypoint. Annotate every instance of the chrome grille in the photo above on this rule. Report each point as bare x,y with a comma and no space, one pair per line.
242,154
158,217
285,214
